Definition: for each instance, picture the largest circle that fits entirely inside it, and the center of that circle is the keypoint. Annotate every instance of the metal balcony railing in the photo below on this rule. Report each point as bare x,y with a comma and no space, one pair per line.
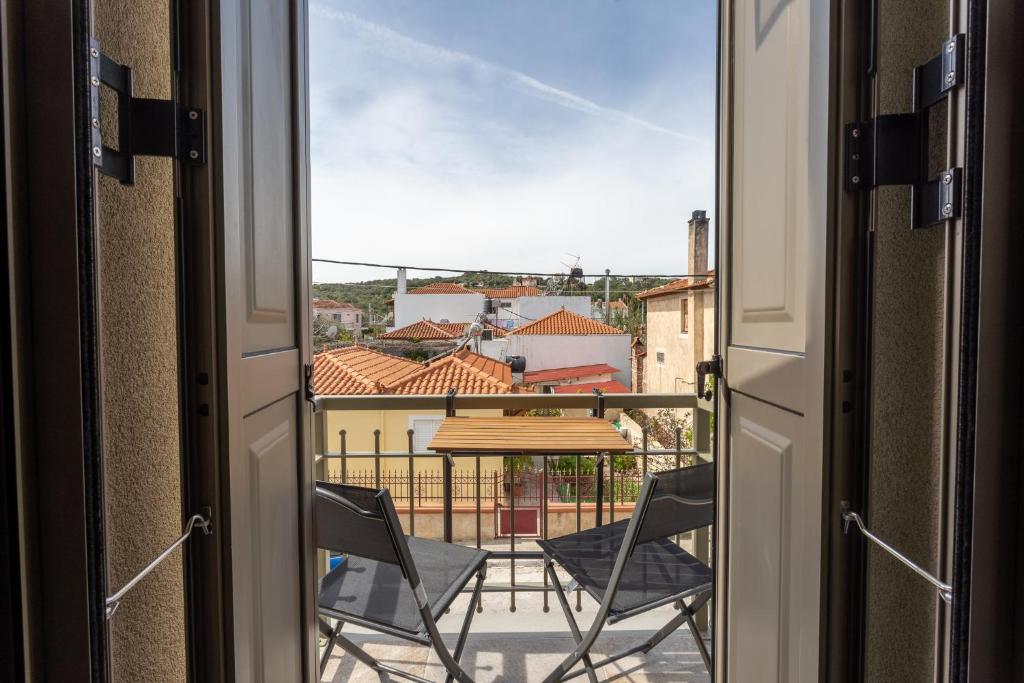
585,484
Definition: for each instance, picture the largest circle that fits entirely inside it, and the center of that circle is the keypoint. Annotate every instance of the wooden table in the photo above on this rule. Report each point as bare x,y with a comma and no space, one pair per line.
528,436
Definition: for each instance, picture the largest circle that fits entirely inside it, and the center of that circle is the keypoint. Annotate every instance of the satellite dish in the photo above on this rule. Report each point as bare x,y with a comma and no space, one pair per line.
444,320
475,329
332,331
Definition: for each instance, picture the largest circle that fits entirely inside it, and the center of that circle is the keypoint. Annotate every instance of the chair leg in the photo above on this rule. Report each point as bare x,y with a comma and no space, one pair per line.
332,638
697,637
471,610
573,627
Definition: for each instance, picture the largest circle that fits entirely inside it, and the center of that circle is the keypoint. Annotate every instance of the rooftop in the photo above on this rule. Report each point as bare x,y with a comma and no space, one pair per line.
464,371
443,288
357,370
610,387
566,322
427,329
552,374
330,304
681,285
511,292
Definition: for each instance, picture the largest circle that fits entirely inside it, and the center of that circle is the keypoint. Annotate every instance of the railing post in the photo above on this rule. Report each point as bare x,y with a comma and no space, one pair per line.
643,434
599,497
412,505
702,537
679,447
376,458
344,461
702,432
449,411
321,469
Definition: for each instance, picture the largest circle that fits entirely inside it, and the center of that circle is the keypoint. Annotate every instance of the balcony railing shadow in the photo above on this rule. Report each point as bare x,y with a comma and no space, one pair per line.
503,505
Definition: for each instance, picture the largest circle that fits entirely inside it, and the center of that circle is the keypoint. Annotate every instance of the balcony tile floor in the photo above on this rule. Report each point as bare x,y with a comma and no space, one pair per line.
525,645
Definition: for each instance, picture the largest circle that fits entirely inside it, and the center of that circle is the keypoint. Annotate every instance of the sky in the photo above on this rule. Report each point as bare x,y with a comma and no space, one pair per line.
507,134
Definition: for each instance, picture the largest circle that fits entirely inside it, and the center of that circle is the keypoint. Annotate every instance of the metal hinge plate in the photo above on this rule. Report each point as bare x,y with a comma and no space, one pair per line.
891,149
145,127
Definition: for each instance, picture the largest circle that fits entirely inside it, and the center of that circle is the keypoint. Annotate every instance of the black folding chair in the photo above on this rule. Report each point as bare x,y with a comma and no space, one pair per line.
633,566
389,582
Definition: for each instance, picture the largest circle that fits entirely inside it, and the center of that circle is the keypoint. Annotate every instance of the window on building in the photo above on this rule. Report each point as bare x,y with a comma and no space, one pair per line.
660,356
684,316
336,316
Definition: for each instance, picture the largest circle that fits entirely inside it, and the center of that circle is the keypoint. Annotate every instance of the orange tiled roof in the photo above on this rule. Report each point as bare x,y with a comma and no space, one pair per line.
358,370
427,329
679,286
442,288
464,371
566,322
327,303
610,387
618,305
552,374
511,292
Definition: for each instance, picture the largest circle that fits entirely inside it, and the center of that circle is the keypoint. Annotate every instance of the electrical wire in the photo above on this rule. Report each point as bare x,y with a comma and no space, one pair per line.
492,272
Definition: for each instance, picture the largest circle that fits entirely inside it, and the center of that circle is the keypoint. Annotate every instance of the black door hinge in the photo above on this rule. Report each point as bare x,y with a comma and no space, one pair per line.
307,371
145,127
705,369
892,149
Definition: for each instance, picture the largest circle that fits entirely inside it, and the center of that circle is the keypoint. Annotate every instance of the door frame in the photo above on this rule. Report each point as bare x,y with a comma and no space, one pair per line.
55,409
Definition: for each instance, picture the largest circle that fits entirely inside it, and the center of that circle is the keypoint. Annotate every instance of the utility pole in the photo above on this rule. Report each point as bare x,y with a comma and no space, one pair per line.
607,293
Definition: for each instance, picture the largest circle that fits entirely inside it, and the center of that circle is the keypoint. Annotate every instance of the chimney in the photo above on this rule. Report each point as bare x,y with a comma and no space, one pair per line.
401,281
697,262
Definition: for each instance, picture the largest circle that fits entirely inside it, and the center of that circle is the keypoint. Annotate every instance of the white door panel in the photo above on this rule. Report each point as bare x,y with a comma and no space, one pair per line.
774,283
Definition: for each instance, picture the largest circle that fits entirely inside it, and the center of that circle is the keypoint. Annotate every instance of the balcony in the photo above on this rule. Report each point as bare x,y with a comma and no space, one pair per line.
504,504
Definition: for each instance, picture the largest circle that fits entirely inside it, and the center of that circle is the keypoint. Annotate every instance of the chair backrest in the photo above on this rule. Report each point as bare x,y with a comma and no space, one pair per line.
352,520
679,501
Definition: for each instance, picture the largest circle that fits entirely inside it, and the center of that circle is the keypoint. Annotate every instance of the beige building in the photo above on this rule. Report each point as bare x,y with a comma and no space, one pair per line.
344,315
680,320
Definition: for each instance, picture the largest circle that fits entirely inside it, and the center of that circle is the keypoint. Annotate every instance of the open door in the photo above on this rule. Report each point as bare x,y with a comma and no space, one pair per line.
775,185
248,208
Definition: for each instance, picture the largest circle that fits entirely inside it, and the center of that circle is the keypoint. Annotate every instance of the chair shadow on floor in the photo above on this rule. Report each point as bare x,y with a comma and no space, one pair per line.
524,658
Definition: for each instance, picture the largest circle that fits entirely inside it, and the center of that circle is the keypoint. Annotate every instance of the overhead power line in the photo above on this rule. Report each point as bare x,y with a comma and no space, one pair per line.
492,272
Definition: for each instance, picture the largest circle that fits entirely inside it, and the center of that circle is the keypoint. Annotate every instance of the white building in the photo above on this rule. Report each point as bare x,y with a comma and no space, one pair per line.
566,339
441,302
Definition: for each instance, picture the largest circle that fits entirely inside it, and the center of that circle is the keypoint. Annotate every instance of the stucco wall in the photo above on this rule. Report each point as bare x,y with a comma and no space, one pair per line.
906,410
528,308
139,366
456,308
545,351
682,351
359,426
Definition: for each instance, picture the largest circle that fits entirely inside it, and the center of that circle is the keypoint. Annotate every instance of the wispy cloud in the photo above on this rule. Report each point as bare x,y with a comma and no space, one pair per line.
401,47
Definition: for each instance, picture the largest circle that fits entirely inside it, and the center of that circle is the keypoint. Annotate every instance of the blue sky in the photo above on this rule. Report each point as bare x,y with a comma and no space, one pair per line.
502,135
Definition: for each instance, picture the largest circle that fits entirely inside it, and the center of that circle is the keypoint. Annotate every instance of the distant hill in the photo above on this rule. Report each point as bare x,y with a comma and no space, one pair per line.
374,293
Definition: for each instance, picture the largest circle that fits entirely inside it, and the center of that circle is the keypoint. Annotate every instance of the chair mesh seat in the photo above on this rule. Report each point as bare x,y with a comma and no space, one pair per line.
656,571
444,569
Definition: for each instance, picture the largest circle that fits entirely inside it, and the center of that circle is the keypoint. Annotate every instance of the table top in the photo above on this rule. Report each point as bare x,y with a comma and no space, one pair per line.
528,435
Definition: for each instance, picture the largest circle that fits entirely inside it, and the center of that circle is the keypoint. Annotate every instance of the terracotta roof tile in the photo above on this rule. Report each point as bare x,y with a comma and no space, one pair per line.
681,285
611,387
358,370
327,303
511,292
427,329
618,305
568,373
465,371
566,322
442,288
